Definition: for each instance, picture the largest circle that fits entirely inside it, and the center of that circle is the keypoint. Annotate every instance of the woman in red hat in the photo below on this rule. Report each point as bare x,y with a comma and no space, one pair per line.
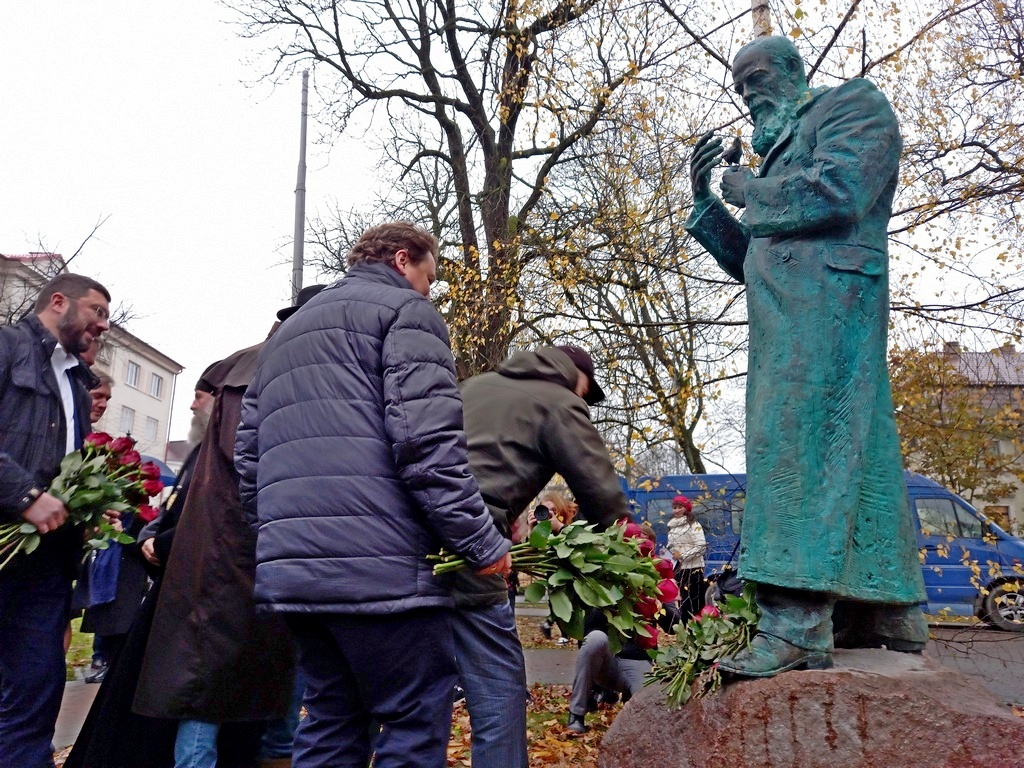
686,542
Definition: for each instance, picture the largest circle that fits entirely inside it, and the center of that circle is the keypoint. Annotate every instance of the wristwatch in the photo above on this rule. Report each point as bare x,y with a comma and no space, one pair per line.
28,499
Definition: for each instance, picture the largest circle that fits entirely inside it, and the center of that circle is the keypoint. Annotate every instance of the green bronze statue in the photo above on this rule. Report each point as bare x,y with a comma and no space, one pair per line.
827,525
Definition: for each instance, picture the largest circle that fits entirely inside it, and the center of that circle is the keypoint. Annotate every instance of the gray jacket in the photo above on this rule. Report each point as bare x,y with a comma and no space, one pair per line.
525,423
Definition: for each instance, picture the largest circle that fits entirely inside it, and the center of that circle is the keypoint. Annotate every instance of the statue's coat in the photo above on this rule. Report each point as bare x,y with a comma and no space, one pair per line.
827,508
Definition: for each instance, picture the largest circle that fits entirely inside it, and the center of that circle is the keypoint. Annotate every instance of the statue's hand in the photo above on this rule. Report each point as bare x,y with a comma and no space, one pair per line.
734,184
706,154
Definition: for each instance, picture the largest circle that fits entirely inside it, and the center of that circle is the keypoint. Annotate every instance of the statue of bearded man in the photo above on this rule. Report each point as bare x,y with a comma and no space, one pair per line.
827,520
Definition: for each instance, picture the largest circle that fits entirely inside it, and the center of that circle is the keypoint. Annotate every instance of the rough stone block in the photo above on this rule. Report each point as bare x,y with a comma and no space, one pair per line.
874,708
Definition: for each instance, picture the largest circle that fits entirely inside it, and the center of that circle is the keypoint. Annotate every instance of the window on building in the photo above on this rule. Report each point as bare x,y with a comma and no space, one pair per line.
132,379
152,425
156,386
127,419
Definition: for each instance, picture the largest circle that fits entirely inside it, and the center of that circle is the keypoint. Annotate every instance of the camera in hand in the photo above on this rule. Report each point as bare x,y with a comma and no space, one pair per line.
542,513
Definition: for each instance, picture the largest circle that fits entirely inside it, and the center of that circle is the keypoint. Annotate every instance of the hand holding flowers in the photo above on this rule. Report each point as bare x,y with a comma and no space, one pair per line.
106,476
581,569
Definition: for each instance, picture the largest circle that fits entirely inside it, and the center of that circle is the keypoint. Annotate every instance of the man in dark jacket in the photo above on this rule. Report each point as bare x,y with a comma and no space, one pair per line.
353,458
44,415
525,422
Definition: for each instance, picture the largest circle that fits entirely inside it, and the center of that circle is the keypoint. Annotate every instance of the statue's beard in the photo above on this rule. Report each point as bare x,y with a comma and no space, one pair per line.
770,125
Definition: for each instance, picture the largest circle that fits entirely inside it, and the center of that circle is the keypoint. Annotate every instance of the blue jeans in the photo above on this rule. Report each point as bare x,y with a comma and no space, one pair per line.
196,744
35,603
493,674
397,670
279,738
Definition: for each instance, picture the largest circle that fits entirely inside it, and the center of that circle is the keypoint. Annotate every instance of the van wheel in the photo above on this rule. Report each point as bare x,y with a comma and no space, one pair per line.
1004,606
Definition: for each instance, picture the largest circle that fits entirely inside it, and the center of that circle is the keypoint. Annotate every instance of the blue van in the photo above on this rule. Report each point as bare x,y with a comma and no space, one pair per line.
971,566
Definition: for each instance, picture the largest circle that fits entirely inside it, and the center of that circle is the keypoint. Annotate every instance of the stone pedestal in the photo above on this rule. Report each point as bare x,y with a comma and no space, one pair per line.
875,708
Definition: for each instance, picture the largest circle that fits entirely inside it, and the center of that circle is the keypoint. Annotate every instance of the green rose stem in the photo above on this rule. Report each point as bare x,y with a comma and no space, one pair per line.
90,482
579,570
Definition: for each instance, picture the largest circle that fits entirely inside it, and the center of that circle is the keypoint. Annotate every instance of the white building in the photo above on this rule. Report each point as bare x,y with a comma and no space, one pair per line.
143,391
998,377
144,378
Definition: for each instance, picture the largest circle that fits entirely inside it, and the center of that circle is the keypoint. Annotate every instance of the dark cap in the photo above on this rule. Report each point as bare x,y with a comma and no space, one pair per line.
305,294
204,385
585,363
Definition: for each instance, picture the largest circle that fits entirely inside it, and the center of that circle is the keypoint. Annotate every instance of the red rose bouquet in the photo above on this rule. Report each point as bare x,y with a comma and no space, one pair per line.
688,664
107,474
582,569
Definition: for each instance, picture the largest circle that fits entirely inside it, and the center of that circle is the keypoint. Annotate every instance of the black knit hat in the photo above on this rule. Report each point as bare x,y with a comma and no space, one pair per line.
203,385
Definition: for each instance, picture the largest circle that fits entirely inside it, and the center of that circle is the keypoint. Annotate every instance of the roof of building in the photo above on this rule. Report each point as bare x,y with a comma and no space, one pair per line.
33,257
1001,367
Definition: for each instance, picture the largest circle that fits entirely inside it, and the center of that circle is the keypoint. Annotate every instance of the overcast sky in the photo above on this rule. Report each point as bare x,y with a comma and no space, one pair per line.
145,112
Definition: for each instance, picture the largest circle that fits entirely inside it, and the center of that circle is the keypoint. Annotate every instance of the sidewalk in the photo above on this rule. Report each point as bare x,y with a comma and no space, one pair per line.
543,665
78,698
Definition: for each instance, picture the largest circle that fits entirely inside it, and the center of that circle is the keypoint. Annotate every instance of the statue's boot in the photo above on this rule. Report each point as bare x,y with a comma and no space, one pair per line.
793,632
768,655
875,625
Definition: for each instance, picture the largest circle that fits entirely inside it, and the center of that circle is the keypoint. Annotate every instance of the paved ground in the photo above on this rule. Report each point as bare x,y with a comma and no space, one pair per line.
994,659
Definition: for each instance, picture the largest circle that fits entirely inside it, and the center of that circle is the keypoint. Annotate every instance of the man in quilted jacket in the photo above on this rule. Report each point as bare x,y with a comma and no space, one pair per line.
353,460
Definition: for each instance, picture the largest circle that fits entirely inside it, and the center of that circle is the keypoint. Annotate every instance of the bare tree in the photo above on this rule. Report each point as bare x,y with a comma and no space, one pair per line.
482,103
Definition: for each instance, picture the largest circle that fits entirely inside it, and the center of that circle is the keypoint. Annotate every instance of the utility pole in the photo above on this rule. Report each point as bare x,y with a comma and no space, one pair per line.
761,14
300,197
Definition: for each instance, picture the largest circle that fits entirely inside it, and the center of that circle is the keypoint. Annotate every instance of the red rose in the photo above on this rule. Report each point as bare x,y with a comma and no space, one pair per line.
122,444
147,513
710,610
150,471
633,531
648,642
97,439
665,568
647,607
130,458
646,547
152,487
667,590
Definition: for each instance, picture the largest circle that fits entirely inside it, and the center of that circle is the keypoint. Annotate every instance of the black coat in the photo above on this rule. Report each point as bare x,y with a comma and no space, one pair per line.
116,617
32,431
115,737
210,656
351,443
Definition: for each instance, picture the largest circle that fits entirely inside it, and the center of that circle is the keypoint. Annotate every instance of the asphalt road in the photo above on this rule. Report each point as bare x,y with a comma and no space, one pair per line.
992,658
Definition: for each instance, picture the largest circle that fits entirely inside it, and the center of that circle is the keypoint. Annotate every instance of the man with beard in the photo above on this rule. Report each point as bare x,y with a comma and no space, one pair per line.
44,415
112,735
826,515
156,538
